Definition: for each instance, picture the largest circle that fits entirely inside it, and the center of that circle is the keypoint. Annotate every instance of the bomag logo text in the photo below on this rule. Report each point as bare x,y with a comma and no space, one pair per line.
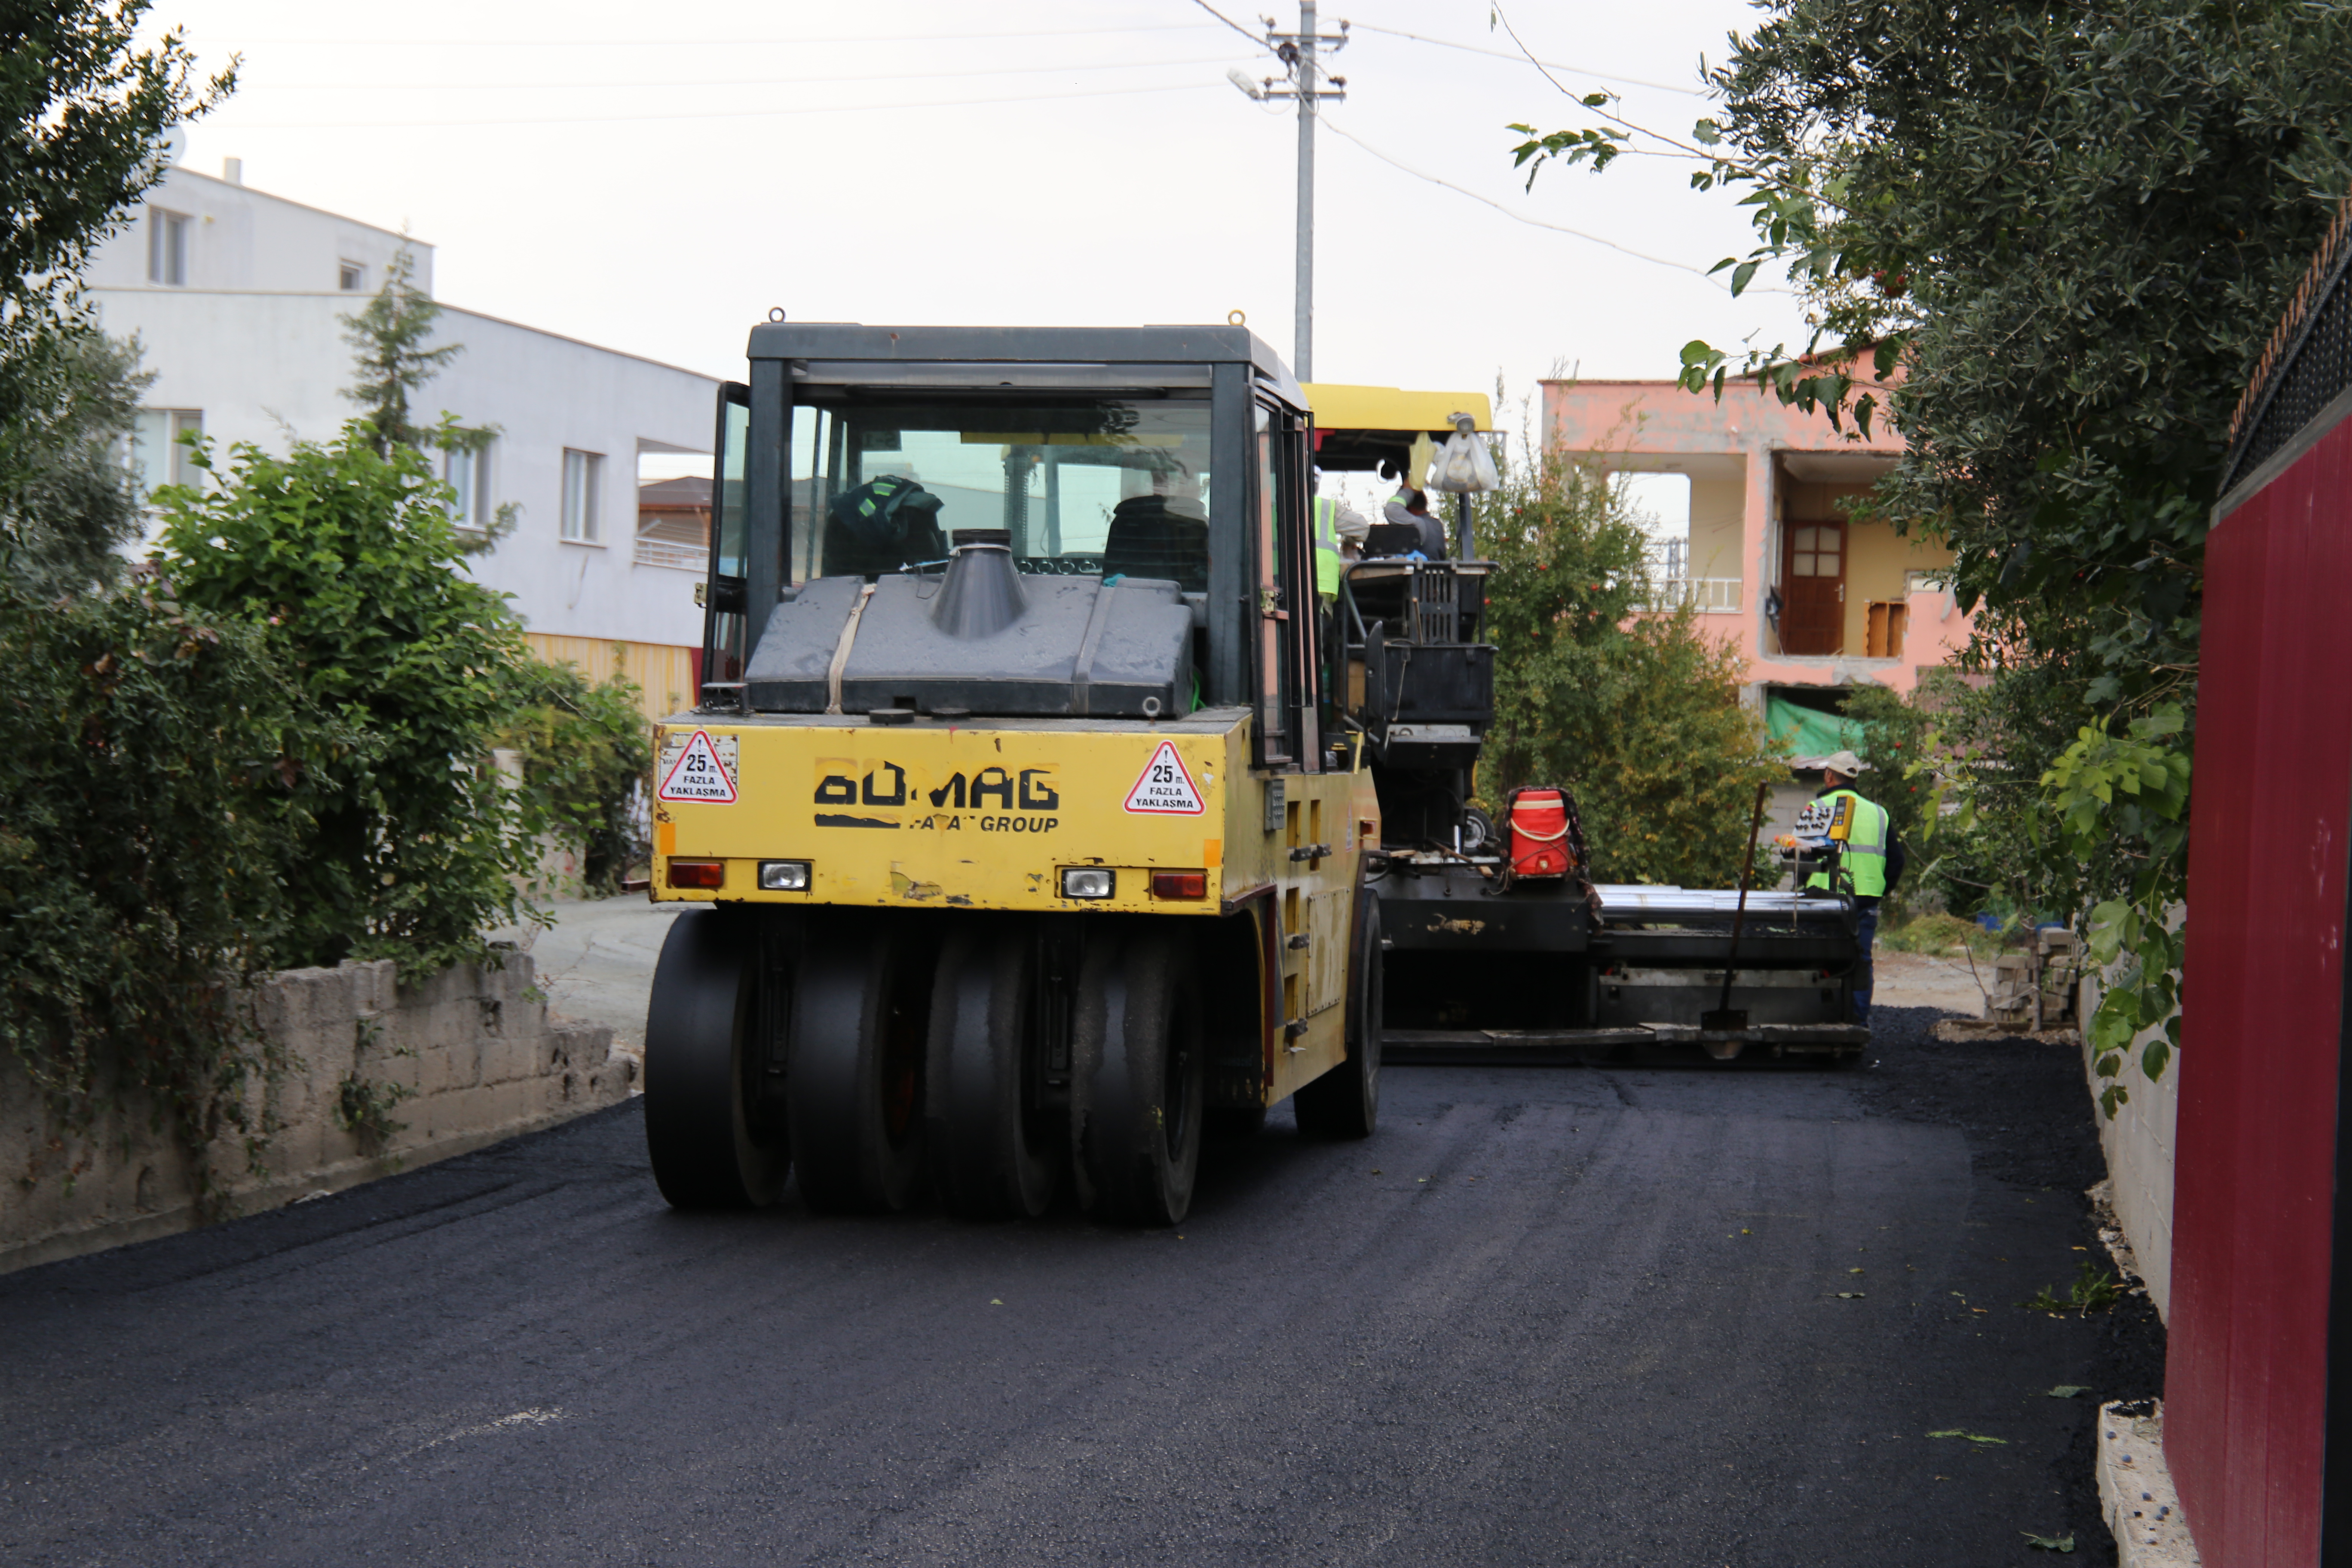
853,793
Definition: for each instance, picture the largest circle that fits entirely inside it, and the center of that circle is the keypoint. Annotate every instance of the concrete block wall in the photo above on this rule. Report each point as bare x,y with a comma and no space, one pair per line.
470,1053
2139,1144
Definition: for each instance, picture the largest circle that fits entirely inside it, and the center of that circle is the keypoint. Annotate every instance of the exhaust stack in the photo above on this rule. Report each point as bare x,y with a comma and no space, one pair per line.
982,593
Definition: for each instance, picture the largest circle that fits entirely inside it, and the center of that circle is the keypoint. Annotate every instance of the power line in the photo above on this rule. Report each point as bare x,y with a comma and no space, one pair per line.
1495,9
1229,22
227,124
1335,127
746,82
1515,56
899,39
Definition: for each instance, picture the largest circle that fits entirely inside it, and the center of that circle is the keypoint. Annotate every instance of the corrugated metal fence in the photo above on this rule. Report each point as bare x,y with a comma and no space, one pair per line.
664,674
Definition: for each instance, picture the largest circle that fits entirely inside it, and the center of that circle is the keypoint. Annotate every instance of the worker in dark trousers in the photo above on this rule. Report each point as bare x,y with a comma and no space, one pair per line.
1867,858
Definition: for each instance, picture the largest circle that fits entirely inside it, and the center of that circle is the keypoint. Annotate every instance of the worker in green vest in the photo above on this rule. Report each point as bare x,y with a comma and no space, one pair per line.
1336,525
1338,531
1860,855
1326,548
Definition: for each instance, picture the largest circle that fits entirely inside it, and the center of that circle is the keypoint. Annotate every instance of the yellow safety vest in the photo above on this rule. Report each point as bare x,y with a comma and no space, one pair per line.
1326,547
1863,829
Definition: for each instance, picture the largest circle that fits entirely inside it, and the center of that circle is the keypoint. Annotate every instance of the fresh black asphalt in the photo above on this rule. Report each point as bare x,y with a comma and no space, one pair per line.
1658,1316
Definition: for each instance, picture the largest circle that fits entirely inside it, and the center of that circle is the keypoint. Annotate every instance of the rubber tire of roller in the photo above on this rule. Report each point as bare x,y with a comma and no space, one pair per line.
1140,1078
988,1155
705,1151
1346,1101
856,1063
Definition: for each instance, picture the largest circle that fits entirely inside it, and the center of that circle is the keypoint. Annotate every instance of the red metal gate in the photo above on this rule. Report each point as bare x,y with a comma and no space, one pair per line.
2258,1424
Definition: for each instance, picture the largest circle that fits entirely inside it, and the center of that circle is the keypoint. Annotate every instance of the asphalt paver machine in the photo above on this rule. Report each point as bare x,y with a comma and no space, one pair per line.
1499,946
1034,805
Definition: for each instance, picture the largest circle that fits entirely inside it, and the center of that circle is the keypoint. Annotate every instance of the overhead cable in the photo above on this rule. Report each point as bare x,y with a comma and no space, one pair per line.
1335,127
1516,55
745,81
902,39
1495,9
226,123
1229,22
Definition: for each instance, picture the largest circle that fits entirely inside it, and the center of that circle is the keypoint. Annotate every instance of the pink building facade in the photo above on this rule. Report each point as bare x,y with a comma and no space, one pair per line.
1815,600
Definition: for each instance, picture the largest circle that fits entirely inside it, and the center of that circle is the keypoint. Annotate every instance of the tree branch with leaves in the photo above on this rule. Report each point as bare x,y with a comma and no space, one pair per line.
2045,244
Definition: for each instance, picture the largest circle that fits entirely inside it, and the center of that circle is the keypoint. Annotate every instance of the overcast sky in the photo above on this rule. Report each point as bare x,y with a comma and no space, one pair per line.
655,178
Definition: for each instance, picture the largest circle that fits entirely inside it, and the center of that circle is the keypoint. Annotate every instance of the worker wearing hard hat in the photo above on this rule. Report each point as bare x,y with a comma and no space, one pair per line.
1860,856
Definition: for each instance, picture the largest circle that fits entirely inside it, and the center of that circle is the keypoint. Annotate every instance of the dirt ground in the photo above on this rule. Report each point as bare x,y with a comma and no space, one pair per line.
1915,980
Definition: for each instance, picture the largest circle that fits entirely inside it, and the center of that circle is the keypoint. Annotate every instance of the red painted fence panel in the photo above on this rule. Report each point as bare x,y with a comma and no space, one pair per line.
2246,1381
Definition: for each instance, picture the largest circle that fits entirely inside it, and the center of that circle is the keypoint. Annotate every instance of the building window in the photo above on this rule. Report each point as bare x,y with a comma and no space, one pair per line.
583,476
167,247
468,474
350,276
156,455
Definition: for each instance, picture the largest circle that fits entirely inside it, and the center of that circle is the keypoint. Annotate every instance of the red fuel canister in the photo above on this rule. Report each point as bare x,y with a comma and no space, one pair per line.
1538,833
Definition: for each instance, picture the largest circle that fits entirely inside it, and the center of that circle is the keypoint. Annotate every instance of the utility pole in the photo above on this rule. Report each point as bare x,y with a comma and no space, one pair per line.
1297,51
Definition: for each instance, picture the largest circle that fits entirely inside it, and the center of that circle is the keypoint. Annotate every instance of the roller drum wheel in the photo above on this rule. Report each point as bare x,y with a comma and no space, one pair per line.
1140,1079
858,1021
991,1152
1346,1101
716,1051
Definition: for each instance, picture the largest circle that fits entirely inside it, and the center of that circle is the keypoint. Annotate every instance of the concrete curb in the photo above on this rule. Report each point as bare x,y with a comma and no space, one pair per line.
277,1194
2136,1491
443,1065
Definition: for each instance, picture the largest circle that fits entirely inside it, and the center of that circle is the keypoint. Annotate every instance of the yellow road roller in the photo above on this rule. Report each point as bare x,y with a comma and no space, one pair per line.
1028,841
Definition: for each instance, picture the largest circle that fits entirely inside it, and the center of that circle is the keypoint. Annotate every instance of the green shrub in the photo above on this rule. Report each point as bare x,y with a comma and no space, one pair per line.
1940,933
152,795
344,560
1895,730
1638,714
585,749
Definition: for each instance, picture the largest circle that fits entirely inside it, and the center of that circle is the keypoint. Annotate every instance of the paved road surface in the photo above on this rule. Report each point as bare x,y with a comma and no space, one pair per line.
1547,1316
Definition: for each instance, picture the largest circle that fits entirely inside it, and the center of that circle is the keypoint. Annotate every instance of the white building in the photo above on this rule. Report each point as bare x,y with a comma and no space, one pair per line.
237,296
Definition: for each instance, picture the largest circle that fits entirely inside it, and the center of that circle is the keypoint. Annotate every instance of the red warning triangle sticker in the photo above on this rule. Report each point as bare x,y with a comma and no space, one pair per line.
697,775
1166,786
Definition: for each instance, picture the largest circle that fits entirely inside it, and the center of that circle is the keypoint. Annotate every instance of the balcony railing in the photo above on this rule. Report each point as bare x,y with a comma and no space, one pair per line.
671,552
1708,595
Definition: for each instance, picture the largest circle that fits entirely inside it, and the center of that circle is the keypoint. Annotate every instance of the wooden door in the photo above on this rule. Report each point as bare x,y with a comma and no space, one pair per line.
1812,584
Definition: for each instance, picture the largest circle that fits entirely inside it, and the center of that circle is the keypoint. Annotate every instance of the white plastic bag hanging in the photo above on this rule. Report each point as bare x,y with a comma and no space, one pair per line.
1462,465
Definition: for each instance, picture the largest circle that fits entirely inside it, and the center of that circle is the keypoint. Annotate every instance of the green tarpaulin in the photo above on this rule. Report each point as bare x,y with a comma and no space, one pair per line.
1799,732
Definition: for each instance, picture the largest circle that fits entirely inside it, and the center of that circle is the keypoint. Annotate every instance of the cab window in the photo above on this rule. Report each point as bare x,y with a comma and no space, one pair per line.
1282,643
881,483
722,614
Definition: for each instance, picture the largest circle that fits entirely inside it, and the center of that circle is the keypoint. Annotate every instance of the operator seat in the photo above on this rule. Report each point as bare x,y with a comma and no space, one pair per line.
1154,536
